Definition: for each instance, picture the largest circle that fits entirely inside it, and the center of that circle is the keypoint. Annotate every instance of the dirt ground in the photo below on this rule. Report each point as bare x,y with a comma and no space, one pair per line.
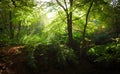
13,61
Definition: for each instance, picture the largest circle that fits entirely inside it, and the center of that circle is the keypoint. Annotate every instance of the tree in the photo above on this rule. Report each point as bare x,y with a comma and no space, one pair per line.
11,14
11,30
83,51
68,10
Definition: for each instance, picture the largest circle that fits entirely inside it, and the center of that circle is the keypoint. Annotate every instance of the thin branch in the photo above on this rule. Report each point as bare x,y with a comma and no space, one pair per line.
86,22
65,4
62,6
66,11
13,2
87,15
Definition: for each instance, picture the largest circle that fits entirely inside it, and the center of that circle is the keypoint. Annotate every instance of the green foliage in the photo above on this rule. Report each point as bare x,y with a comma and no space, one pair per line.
30,60
54,55
66,56
101,38
52,32
30,39
109,53
56,30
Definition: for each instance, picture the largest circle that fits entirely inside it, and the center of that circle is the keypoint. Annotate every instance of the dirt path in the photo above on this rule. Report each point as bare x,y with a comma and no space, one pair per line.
13,58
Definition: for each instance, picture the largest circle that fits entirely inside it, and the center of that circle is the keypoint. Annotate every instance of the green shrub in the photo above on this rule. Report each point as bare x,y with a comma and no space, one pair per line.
54,55
29,58
108,53
101,38
30,39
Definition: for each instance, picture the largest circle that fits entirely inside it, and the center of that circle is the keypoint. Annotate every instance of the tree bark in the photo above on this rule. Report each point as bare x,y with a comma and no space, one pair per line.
69,20
11,25
69,29
69,17
19,29
83,50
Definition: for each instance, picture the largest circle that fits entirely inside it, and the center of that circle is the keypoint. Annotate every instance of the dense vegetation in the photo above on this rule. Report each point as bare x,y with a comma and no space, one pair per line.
55,36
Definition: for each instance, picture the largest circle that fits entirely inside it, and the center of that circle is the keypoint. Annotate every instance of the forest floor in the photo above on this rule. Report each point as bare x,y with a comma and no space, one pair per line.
13,58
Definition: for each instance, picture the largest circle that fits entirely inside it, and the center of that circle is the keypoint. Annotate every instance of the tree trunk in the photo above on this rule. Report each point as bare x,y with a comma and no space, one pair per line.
11,26
19,29
69,25
69,28
83,49
69,20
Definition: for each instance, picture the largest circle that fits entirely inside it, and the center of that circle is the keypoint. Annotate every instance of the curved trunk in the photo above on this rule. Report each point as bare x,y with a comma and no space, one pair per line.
83,50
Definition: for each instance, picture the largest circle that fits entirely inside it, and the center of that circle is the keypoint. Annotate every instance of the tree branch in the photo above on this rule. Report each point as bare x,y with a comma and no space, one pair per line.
87,15
65,4
62,6
13,2
83,50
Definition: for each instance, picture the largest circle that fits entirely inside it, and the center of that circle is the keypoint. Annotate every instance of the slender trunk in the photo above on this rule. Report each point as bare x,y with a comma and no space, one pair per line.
69,20
69,24
19,29
69,28
11,26
83,51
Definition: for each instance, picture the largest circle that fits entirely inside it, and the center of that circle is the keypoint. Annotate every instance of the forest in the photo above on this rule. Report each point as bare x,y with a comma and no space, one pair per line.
59,36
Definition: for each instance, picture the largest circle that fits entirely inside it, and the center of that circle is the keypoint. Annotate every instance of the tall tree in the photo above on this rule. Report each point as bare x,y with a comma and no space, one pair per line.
68,10
83,51
11,14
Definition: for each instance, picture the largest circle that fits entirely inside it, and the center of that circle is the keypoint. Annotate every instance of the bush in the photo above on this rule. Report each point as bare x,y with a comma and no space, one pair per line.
54,55
109,53
101,38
